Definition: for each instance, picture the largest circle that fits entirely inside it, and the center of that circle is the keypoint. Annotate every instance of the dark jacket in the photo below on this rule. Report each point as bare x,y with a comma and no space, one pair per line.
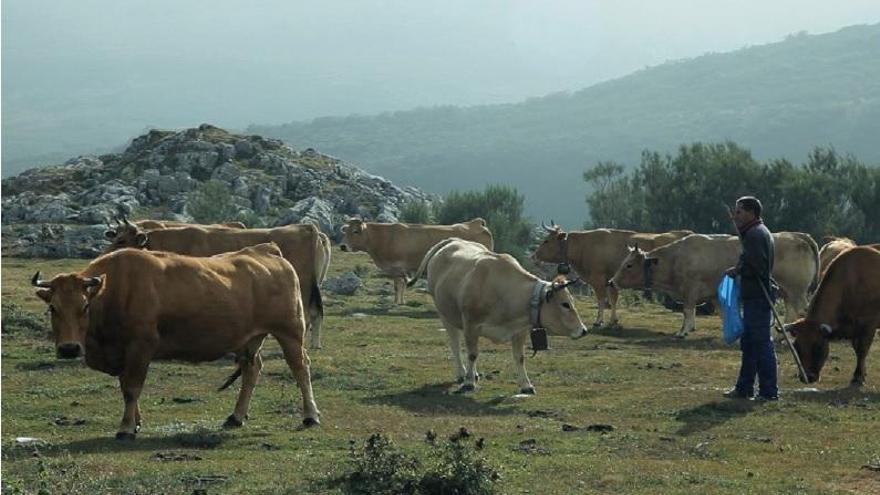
756,261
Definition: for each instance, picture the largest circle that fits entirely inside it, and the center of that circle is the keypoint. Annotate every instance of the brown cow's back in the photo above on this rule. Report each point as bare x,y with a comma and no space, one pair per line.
202,307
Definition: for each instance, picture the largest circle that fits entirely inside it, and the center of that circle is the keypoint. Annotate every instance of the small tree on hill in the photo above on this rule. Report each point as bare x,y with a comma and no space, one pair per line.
211,203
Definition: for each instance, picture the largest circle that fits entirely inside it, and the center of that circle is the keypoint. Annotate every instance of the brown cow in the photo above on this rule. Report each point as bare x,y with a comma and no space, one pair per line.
398,248
595,256
832,247
170,224
845,307
131,307
307,249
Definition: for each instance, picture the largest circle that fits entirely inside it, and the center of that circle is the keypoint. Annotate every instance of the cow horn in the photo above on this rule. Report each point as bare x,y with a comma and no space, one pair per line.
125,219
92,282
36,282
545,227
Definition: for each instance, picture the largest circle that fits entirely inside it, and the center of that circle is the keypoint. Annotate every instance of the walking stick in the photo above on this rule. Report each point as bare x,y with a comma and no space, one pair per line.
777,323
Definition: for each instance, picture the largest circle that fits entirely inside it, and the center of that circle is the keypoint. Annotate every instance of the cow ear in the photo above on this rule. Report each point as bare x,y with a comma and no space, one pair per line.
561,236
45,294
110,234
141,239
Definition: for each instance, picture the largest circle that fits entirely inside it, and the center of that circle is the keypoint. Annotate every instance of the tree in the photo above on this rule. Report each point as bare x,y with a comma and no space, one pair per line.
211,202
500,206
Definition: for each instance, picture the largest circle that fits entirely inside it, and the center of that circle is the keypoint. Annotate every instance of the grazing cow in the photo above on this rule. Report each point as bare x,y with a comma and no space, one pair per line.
845,307
306,248
833,246
131,307
595,256
481,293
398,248
691,268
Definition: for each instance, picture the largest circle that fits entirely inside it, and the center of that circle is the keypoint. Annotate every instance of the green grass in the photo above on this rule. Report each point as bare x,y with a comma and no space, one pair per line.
387,370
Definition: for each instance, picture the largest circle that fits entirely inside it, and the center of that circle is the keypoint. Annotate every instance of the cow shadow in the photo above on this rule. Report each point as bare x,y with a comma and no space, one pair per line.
146,442
437,399
707,416
664,340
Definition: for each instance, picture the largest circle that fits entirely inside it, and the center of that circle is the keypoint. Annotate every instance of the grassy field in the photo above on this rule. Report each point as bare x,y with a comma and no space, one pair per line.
386,369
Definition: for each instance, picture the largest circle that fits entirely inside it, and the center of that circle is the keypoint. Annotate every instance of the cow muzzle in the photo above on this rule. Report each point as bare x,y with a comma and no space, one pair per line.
580,333
69,350
811,378
343,247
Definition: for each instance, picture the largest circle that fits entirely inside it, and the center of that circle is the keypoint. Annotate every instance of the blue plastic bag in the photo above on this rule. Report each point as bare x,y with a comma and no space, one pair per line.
728,296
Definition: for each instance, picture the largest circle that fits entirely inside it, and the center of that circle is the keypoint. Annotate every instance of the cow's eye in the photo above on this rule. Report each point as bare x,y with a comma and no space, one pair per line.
566,305
629,265
52,310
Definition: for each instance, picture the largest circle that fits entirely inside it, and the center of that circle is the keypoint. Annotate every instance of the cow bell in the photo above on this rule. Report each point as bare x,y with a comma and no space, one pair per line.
563,269
539,339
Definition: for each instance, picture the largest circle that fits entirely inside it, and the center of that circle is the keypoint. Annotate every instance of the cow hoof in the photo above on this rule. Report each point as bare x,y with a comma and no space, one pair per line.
465,389
598,324
124,436
856,384
527,391
309,422
232,422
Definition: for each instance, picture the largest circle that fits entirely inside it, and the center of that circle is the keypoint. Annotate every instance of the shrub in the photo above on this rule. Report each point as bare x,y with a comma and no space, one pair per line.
18,321
211,202
416,211
501,207
455,469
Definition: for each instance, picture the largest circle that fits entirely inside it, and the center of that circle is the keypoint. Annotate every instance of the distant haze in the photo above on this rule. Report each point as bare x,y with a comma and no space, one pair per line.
88,75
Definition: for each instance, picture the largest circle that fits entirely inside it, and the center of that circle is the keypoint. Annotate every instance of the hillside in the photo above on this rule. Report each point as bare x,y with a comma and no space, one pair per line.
779,100
60,211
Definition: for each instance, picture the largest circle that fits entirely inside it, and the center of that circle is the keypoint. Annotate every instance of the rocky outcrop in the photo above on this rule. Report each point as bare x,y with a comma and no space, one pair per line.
51,211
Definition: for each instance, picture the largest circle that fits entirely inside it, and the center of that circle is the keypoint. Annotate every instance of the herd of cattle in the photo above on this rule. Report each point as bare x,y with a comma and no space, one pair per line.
167,290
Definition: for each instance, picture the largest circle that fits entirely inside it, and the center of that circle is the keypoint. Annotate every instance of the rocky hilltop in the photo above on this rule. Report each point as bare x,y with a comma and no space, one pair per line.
59,211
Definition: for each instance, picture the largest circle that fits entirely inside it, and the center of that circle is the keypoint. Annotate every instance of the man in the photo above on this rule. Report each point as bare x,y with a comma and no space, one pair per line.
754,268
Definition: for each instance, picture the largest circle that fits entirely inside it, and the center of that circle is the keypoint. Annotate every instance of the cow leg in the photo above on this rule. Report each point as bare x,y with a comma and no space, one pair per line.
519,364
251,365
454,335
861,346
690,319
131,382
399,288
470,377
298,361
613,293
601,301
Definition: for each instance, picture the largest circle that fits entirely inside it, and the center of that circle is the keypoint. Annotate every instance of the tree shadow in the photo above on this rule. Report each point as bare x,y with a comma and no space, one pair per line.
435,399
707,416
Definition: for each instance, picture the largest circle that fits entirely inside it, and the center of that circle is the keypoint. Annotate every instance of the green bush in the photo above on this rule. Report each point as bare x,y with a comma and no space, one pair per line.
416,212
501,207
211,202
455,468
381,468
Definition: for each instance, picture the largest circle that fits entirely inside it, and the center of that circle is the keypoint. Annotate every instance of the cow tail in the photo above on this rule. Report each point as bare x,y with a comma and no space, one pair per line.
316,307
423,266
815,248
231,379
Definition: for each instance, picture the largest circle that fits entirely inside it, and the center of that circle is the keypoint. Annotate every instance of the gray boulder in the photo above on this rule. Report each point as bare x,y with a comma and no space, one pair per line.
312,210
346,284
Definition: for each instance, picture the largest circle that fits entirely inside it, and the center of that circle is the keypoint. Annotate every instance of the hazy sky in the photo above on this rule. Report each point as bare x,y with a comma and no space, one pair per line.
97,72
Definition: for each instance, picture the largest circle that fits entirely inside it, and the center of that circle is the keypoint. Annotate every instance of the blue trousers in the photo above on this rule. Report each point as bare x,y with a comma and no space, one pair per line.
758,353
